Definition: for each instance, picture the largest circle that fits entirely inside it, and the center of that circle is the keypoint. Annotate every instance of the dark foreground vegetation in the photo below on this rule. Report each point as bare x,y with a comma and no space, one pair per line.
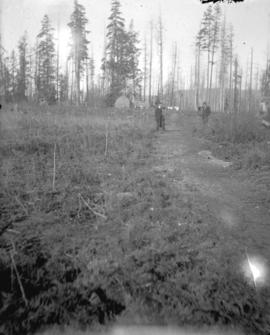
91,235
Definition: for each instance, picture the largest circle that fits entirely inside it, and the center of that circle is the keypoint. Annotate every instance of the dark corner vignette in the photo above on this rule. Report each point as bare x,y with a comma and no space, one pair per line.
214,1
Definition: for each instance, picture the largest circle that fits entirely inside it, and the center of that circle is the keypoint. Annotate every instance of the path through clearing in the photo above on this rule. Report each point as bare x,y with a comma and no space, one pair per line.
227,195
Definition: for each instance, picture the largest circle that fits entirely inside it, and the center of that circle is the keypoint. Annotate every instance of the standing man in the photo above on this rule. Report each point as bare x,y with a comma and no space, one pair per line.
160,119
206,111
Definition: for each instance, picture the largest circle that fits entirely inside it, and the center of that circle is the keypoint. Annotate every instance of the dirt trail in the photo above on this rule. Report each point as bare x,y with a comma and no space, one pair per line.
227,195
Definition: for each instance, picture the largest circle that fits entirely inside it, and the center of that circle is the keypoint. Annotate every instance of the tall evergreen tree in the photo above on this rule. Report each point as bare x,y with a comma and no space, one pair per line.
121,60
46,62
132,52
113,61
79,49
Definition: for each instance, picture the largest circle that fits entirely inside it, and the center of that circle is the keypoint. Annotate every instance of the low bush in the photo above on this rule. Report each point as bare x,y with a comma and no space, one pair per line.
236,128
239,137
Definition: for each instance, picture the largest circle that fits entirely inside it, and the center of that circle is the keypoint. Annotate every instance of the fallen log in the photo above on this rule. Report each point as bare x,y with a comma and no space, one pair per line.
265,123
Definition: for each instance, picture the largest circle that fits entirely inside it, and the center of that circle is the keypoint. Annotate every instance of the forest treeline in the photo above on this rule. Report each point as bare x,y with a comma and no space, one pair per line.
34,72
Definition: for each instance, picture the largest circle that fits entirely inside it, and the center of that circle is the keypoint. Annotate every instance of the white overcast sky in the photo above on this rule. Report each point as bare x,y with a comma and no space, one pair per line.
181,20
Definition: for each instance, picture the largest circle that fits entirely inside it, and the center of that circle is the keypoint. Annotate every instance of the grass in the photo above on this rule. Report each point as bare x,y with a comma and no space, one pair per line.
243,140
113,241
239,137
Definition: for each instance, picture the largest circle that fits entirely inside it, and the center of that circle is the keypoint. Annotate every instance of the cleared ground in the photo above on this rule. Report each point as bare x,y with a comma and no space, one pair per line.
114,223
231,194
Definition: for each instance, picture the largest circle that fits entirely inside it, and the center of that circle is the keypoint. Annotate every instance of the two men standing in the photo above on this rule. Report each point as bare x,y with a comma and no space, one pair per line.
204,112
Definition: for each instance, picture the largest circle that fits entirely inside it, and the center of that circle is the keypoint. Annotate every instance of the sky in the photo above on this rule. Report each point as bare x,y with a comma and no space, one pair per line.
181,20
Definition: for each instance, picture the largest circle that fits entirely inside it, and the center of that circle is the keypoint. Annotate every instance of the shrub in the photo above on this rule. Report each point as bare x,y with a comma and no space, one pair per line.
236,128
239,137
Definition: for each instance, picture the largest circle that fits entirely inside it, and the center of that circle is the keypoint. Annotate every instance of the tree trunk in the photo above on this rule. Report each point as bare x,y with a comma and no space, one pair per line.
173,74
2,95
72,82
161,57
198,70
30,79
212,66
145,70
77,85
235,103
67,81
150,63
231,68
77,74
250,81
208,60
240,91
57,62
103,79
87,80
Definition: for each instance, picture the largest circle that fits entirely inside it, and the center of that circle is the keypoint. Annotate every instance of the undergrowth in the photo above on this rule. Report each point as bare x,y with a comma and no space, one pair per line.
113,241
242,139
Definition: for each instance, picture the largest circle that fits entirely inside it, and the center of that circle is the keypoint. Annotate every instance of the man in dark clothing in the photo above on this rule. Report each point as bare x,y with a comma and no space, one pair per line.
206,111
160,119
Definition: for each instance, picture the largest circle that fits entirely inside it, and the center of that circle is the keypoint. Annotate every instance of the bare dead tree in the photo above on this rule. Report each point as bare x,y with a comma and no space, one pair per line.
214,42
216,96
198,44
246,85
224,62
32,64
240,77
92,69
145,69
37,65
150,63
235,98
250,80
57,60
174,60
87,65
231,64
2,88
160,43
67,79
257,76
104,68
